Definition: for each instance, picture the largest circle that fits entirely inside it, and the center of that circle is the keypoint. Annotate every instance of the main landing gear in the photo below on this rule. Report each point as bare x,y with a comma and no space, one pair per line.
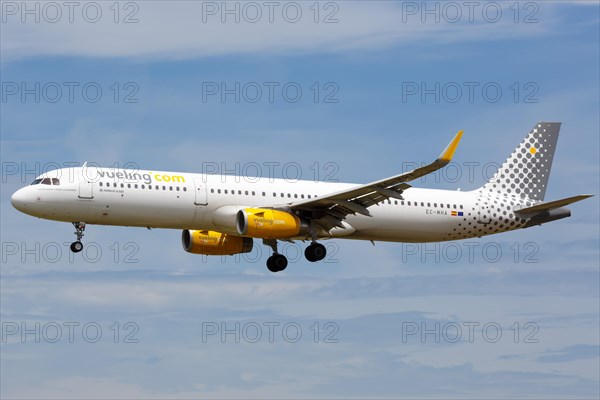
315,252
77,246
278,262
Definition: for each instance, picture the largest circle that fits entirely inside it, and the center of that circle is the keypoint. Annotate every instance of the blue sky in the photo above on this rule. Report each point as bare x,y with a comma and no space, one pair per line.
539,286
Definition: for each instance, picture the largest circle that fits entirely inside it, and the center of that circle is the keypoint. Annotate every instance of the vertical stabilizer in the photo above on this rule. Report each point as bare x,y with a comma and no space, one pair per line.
526,171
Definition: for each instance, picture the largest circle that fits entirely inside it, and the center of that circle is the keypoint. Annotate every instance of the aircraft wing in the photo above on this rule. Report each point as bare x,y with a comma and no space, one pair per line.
329,211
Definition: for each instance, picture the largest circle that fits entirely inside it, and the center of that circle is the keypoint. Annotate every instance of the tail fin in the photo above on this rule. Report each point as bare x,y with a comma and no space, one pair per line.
525,173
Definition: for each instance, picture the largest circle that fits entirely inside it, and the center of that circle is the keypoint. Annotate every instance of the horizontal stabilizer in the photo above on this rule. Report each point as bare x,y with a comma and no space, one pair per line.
551,205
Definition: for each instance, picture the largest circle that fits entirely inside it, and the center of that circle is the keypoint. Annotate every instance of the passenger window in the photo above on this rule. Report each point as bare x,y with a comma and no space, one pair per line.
177,189
129,186
171,188
164,188
185,189
422,204
143,186
408,203
135,186
253,193
100,183
295,196
309,196
225,191
122,185
301,196
246,193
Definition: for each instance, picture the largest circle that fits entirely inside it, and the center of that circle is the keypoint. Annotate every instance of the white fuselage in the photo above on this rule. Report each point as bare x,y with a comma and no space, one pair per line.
174,200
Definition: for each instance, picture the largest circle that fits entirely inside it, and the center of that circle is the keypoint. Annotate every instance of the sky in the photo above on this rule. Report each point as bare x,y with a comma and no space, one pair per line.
349,91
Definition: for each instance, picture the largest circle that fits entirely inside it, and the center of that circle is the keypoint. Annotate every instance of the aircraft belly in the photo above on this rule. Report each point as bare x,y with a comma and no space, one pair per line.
391,225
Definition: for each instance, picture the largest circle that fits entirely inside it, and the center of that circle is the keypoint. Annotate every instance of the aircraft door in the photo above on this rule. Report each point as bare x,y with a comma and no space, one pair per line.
201,198
86,186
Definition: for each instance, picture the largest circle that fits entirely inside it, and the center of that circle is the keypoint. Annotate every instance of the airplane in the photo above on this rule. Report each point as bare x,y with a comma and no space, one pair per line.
221,215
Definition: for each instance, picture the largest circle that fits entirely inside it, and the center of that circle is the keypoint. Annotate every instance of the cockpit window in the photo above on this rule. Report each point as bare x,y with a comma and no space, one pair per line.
55,181
46,181
35,182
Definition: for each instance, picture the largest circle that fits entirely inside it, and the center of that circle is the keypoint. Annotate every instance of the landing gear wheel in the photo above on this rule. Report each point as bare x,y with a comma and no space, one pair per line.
277,263
315,252
76,247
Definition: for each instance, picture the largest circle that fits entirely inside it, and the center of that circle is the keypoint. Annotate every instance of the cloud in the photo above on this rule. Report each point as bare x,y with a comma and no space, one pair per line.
184,30
571,353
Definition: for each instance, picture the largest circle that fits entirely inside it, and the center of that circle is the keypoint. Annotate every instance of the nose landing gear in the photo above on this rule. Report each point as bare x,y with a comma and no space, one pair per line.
77,246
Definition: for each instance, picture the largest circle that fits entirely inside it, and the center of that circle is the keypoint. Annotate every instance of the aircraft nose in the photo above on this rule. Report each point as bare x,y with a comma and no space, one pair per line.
19,199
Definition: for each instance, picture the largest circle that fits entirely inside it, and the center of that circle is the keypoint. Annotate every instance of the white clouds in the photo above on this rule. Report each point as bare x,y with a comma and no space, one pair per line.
184,30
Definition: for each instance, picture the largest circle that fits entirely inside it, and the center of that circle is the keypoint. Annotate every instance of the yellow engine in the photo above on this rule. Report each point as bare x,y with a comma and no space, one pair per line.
214,243
269,224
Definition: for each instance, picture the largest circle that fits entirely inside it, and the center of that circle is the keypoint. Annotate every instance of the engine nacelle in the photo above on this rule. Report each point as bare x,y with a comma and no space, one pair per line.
214,243
269,224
